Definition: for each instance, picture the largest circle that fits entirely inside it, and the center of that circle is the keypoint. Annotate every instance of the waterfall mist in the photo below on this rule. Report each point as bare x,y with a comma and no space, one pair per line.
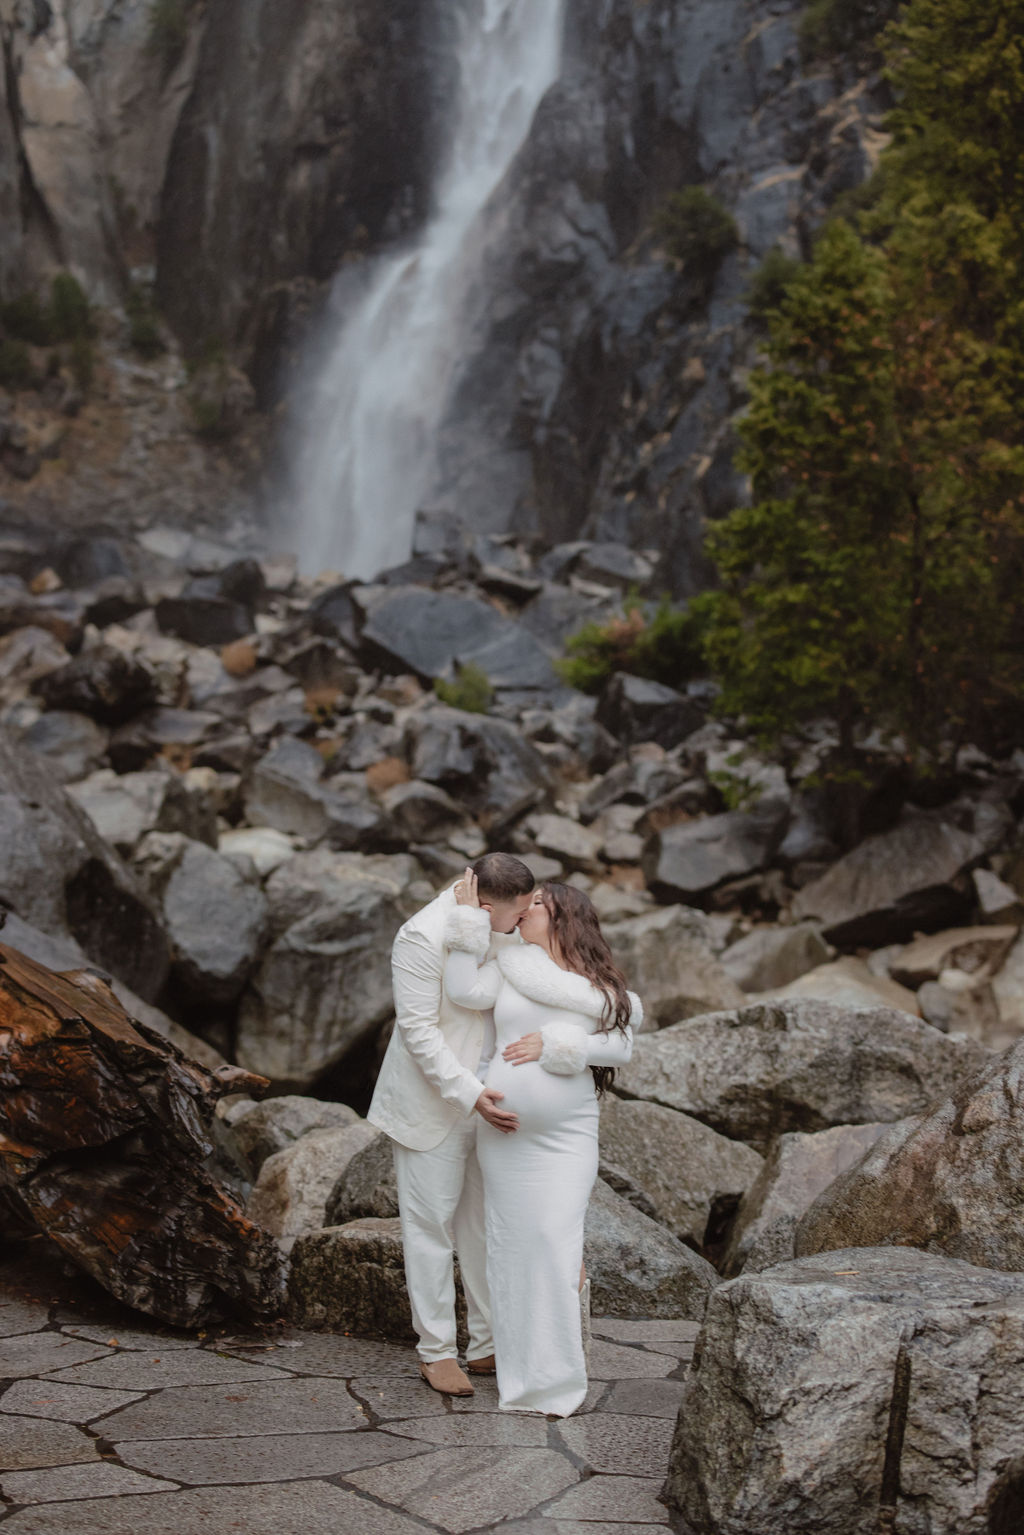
384,375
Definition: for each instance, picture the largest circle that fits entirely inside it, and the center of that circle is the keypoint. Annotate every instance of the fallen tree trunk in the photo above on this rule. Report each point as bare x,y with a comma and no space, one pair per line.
103,1141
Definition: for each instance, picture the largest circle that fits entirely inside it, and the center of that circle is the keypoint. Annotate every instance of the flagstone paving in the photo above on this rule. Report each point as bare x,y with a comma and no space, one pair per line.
110,1426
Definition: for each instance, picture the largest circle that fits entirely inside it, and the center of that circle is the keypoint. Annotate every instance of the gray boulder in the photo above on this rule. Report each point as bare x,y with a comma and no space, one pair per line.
913,878
689,859
799,1064
103,683
295,1184
124,807
323,986
634,709
421,812
367,1187
59,875
351,1279
202,618
640,779
559,836
949,1182
411,628
284,790
842,1393
684,1168
72,744
636,1267
484,763
796,1169
667,958
768,957
216,921
303,883
977,951
258,1130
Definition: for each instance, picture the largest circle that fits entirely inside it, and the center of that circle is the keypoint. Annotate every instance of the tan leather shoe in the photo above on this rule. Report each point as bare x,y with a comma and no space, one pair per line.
446,1376
484,1366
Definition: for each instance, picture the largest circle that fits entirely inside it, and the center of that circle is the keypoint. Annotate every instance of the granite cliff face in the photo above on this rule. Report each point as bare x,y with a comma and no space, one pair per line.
250,149
606,389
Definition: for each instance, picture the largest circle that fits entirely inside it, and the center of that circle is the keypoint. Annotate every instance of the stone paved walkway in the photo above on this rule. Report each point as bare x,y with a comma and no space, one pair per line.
109,1426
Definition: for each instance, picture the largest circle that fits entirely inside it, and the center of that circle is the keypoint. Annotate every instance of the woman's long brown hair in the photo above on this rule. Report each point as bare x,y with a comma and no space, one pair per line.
576,932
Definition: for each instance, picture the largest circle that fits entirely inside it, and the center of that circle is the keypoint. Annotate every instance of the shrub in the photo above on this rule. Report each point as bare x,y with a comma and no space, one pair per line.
769,283
70,313
839,26
697,231
26,319
663,644
471,690
15,364
143,326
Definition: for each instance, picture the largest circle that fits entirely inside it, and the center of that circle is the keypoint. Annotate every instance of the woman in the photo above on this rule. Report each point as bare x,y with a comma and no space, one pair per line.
560,1008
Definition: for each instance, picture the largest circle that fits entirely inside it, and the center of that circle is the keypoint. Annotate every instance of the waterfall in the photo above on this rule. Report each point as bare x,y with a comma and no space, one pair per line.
366,458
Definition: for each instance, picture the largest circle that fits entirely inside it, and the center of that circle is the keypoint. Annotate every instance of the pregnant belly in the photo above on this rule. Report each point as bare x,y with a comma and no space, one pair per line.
542,1100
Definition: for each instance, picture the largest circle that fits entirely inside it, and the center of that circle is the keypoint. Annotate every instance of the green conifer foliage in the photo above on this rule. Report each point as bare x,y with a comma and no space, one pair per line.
876,575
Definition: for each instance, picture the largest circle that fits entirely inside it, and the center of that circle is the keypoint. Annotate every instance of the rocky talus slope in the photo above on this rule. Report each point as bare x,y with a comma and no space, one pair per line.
227,786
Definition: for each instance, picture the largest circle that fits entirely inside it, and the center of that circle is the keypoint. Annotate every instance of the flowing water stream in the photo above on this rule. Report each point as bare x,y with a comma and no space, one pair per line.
380,389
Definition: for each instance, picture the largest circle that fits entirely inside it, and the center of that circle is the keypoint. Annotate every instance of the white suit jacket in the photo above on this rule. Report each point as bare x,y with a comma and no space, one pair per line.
428,1079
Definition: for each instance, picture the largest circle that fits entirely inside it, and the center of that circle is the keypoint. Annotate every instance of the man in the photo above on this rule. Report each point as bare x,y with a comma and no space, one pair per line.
428,1098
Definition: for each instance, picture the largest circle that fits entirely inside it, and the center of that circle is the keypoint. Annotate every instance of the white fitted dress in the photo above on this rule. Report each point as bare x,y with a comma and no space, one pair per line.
537,1181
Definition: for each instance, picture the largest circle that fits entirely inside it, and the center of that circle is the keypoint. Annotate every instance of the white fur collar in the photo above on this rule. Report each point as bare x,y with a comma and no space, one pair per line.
533,972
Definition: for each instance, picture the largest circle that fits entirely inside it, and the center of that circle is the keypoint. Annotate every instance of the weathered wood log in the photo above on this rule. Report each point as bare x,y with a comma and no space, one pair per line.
103,1140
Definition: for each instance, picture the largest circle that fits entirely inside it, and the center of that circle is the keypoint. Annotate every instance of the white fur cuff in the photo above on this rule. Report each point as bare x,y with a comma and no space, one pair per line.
468,929
564,1051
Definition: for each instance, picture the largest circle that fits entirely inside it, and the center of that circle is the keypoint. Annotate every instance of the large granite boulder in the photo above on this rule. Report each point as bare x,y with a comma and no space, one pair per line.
636,1267
351,1279
258,1130
770,1067
913,878
867,1389
684,1169
486,764
123,807
300,885
795,1170
73,744
977,951
413,629
849,982
59,875
667,958
284,790
768,957
688,860
367,1187
294,1185
635,709
216,919
950,1182
322,987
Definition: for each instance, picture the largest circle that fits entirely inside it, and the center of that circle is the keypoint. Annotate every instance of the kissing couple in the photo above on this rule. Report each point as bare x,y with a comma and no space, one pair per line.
510,1017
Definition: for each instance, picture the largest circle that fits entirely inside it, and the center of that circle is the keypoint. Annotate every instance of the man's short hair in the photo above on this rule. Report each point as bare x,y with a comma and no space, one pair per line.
502,877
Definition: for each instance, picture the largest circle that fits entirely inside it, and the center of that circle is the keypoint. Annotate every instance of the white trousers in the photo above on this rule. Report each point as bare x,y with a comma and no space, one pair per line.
441,1205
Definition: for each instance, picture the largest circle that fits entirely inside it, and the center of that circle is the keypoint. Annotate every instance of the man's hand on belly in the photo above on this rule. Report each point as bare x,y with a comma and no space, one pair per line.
500,1119
522,1050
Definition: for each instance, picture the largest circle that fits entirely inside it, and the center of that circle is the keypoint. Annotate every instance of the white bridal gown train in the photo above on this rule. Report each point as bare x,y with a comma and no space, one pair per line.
537,1181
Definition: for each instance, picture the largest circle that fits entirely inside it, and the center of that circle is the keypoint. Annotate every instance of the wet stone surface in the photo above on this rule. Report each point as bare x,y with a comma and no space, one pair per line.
109,1425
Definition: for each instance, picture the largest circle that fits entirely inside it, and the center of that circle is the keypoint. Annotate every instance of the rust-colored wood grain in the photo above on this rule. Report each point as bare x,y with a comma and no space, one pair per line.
103,1145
